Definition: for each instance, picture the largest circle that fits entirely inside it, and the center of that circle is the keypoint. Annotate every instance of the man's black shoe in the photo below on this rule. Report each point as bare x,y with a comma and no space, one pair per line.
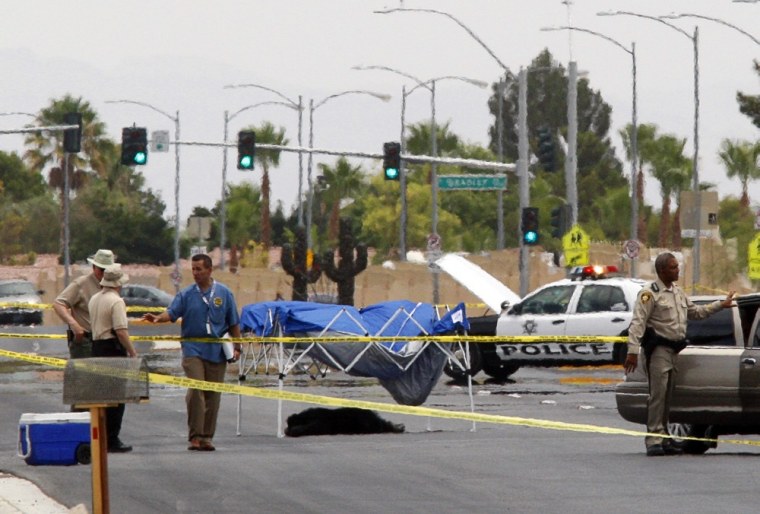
656,450
118,447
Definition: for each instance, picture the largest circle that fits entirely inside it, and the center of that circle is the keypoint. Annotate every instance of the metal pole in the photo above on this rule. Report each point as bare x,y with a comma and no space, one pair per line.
66,235
572,140
695,176
634,165
434,184
300,162
177,275
402,181
223,214
308,174
522,172
500,152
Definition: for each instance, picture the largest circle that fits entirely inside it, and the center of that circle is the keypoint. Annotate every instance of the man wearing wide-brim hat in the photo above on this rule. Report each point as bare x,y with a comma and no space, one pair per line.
71,305
110,338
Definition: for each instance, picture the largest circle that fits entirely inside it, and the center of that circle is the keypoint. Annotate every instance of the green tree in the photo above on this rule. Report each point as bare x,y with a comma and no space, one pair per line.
244,203
343,181
267,134
670,168
749,105
645,134
45,149
742,160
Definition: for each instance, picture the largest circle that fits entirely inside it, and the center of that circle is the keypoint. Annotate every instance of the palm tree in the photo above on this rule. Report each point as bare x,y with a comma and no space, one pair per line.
267,134
343,181
645,134
741,159
46,148
669,167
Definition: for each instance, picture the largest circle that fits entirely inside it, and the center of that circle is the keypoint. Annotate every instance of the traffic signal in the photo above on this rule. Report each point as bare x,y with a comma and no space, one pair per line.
546,149
560,220
72,138
246,149
134,146
529,225
392,160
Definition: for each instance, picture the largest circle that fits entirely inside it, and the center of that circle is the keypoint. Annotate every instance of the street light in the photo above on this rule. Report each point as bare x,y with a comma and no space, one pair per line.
176,276
695,164
674,16
313,107
223,214
298,106
430,86
634,130
522,164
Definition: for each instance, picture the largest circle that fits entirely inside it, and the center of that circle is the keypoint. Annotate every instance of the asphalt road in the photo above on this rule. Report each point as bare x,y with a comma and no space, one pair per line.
437,465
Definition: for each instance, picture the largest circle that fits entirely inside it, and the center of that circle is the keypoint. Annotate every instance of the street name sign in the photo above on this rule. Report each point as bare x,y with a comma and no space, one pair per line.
473,182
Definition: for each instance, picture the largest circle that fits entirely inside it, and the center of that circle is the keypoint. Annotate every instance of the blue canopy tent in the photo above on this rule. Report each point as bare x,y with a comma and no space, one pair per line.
408,370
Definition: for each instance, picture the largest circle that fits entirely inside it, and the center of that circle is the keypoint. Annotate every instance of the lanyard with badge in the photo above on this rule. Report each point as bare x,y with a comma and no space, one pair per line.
208,306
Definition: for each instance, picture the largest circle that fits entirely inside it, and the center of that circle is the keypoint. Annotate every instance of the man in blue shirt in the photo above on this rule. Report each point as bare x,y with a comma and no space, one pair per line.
208,310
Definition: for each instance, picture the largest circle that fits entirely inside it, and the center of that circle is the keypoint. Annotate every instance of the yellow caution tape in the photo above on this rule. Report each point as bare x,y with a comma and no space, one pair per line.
270,394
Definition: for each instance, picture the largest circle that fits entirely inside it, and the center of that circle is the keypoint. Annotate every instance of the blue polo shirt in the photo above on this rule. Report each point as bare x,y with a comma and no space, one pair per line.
216,308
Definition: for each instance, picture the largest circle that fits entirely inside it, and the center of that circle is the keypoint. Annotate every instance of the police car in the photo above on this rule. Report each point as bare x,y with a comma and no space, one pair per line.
592,301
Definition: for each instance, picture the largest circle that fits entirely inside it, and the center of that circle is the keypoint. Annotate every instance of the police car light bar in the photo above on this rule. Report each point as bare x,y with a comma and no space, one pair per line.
592,272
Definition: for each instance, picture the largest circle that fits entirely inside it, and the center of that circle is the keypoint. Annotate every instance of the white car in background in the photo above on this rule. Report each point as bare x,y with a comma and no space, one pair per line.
590,302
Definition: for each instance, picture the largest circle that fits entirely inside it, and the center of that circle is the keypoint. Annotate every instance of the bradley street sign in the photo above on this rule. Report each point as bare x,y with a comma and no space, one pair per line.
473,182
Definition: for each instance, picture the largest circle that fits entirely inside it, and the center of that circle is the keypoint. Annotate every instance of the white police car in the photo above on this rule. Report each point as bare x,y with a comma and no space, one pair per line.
590,302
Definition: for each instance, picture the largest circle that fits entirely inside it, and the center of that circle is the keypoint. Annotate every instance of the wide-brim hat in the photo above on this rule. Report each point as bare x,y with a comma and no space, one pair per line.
102,259
113,276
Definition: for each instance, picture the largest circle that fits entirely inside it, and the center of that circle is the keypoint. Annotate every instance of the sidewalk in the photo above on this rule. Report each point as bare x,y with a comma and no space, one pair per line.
22,496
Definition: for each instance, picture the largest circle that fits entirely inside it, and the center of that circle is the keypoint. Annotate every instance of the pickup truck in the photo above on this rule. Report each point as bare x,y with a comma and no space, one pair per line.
717,389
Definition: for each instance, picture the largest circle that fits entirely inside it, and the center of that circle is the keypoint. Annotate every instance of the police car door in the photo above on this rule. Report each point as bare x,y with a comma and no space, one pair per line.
544,313
602,310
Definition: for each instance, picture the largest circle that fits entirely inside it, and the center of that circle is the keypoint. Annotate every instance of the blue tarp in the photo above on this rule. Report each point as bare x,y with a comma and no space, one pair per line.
408,369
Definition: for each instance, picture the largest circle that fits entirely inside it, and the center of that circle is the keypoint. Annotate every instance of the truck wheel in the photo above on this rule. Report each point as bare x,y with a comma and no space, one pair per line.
83,454
454,371
702,431
499,370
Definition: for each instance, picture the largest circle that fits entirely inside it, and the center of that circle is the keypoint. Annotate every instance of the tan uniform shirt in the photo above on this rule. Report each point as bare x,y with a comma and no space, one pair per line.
666,311
108,313
77,296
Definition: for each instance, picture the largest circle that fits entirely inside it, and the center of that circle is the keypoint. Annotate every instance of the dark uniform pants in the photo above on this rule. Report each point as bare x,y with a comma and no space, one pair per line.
114,415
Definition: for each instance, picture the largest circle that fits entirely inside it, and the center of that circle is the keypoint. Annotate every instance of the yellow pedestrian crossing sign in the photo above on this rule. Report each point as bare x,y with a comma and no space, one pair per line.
575,245
753,261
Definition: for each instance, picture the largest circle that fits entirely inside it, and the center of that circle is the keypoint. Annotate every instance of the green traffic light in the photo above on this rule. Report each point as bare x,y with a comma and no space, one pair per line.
246,162
530,237
391,173
140,158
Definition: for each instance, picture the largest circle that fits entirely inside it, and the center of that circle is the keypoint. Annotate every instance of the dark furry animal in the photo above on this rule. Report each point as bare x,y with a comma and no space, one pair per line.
344,420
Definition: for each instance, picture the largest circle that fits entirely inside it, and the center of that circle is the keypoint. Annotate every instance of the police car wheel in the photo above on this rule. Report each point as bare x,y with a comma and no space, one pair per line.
500,370
458,373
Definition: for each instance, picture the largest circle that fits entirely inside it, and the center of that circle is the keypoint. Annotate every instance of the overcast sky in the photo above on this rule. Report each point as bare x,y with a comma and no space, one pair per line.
178,56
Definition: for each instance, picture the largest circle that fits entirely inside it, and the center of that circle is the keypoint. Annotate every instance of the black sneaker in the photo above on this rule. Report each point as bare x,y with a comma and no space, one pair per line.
656,450
672,449
118,447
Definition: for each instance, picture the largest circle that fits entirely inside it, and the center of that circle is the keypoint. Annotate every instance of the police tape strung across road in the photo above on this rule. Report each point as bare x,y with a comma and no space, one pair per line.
257,392
356,339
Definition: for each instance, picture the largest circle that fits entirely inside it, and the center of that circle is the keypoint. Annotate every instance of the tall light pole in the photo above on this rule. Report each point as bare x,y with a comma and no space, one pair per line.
522,175
716,20
176,276
223,214
313,107
298,106
695,164
634,130
430,86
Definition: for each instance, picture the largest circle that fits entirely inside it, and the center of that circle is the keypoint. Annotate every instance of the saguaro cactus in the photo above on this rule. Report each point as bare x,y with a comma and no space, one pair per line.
348,267
294,263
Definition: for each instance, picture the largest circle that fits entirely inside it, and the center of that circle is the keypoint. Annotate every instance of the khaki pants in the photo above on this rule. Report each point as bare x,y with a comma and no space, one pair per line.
661,372
202,406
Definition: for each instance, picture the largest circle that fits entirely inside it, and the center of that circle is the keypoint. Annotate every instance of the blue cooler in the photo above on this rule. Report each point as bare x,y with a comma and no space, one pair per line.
56,439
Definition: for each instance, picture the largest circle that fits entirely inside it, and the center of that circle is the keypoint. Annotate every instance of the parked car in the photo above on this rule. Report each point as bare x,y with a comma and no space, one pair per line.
717,389
590,302
26,299
139,296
